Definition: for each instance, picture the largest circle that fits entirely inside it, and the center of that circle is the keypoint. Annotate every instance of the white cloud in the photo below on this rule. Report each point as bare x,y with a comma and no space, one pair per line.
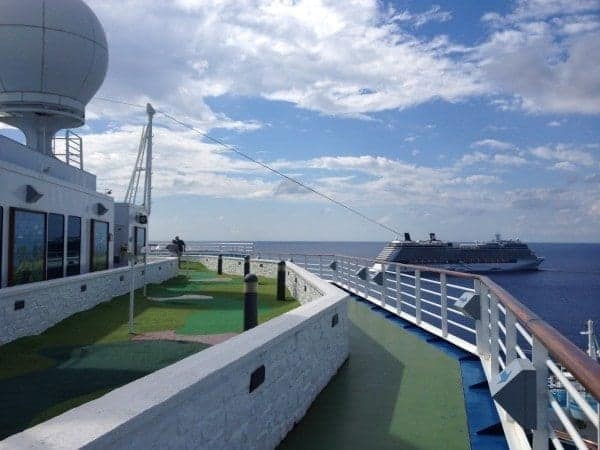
509,160
348,58
500,159
482,179
566,166
544,56
493,144
564,153
433,14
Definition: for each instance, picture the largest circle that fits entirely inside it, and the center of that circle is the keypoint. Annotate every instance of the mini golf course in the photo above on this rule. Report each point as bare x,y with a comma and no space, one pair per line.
91,353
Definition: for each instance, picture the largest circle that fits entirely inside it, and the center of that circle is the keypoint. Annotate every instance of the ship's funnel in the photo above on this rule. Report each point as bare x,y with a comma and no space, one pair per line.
54,59
432,236
407,237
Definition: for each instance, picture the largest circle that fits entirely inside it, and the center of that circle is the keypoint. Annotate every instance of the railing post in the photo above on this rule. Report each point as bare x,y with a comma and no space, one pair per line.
306,262
398,290
67,148
539,358
367,285
511,337
478,323
494,336
444,301
321,266
220,265
383,283
418,296
356,279
483,325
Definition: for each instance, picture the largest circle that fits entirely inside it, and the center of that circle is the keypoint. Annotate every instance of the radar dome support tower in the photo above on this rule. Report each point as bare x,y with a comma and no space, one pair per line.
143,165
54,58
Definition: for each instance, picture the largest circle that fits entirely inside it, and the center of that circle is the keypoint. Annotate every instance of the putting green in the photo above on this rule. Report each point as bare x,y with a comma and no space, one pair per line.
91,353
81,374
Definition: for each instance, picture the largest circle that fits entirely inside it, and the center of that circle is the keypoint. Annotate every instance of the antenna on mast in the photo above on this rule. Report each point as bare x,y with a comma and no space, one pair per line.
143,165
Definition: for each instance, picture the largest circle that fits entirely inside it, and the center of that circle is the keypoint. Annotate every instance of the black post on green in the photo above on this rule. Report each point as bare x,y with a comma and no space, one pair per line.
281,280
220,265
246,265
250,301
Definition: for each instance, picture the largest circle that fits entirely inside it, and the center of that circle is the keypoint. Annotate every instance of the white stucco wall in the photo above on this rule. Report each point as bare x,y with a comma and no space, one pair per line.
301,288
48,302
60,197
203,401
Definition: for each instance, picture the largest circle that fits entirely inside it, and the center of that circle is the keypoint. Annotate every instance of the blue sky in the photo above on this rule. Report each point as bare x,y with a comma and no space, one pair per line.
464,118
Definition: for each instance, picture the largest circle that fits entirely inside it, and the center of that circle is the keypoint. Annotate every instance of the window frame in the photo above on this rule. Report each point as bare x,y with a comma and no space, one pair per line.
11,243
62,273
67,274
136,231
93,223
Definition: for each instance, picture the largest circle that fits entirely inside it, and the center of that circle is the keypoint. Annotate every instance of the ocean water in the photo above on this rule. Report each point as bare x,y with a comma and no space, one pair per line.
565,292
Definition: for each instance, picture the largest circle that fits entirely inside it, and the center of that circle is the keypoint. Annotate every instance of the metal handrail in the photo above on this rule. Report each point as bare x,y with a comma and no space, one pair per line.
566,353
586,370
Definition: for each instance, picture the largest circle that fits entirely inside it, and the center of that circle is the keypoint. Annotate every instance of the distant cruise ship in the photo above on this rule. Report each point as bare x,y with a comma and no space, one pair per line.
498,255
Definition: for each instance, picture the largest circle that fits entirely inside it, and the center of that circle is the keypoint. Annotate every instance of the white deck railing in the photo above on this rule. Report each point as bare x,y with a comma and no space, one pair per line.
208,248
507,330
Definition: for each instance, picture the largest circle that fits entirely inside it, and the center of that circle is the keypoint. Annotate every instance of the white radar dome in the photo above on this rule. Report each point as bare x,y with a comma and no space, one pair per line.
53,59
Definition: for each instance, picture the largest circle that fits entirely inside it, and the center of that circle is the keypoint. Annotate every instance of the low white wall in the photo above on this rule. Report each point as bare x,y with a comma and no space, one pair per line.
204,401
302,288
46,303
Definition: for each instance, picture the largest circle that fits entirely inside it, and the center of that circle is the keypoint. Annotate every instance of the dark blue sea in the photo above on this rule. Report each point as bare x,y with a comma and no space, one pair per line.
565,292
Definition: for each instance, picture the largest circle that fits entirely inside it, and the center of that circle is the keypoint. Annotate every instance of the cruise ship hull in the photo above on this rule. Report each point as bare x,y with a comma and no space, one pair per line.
518,266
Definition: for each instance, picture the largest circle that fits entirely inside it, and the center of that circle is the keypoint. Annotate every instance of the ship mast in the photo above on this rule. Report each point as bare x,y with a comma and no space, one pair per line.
592,349
143,165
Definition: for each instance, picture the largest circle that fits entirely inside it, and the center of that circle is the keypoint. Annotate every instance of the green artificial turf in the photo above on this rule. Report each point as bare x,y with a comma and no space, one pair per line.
395,392
91,353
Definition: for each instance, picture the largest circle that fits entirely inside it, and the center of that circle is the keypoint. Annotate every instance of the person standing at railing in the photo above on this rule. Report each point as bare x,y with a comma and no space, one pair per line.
180,244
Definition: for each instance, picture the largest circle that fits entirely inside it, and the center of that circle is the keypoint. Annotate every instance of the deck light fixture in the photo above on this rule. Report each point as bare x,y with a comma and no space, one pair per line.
378,278
469,304
32,195
101,209
362,273
515,390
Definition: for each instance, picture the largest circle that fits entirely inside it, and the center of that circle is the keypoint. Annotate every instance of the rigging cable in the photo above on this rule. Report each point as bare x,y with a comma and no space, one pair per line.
258,162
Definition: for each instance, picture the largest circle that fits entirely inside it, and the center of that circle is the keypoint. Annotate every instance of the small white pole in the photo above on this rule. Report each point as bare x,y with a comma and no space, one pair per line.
146,258
131,291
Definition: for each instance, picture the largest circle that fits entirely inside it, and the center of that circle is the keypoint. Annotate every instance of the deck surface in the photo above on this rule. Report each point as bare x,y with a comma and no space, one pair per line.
91,353
396,391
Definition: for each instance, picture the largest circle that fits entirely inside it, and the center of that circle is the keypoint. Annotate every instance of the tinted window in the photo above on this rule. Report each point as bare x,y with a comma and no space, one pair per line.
140,239
27,247
74,246
56,246
99,246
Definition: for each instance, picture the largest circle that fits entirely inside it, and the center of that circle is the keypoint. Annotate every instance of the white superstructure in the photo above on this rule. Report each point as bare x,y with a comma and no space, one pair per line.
53,222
